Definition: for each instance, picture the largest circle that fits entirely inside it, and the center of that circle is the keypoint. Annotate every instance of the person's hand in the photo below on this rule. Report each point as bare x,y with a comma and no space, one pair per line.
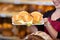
46,22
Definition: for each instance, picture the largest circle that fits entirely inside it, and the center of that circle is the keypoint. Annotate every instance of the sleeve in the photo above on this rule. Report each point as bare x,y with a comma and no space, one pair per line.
58,36
48,14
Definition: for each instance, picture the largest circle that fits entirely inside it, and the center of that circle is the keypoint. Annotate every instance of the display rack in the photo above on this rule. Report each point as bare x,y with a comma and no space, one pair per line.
38,2
7,14
9,38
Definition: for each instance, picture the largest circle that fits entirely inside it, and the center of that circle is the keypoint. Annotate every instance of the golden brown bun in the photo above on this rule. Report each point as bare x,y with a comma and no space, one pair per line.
7,7
7,33
48,8
10,26
37,17
7,26
1,26
21,34
25,16
16,18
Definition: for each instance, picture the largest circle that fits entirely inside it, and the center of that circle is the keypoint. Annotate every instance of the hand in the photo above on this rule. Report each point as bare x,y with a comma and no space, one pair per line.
46,22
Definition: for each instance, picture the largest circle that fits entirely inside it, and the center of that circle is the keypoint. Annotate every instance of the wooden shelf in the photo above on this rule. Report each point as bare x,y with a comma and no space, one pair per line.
9,38
38,2
7,14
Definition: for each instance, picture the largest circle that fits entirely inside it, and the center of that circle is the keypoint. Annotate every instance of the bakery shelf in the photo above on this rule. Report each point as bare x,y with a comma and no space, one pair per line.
6,14
38,2
9,38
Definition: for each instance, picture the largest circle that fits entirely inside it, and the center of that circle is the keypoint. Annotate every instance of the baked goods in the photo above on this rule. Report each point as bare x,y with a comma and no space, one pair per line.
15,19
25,18
35,37
9,7
1,26
21,34
22,18
39,35
7,33
49,8
7,26
37,17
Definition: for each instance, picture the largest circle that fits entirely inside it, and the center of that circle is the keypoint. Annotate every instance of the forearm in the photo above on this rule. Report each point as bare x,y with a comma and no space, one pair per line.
51,31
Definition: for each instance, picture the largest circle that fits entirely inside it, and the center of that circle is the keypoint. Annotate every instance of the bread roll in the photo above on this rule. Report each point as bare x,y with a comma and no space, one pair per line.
37,17
25,16
7,33
39,35
1,26
7,26
22,18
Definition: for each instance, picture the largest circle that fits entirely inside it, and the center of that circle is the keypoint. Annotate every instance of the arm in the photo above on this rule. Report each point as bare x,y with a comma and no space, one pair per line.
50,29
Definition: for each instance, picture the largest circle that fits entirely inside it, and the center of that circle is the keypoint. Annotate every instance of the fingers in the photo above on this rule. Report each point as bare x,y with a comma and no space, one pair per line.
46,22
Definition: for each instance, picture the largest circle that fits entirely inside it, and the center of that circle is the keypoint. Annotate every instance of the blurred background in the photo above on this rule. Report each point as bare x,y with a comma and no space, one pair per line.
8,8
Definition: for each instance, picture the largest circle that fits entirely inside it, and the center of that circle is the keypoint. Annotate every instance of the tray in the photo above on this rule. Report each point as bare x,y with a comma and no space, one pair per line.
42,23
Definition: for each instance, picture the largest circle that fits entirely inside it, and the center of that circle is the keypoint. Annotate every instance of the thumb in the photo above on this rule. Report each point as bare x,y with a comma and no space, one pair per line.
45,19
